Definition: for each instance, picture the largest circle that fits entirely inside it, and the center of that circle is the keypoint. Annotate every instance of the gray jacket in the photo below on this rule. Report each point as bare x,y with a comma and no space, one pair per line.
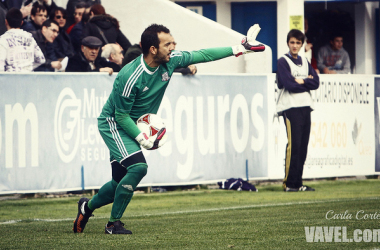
337,60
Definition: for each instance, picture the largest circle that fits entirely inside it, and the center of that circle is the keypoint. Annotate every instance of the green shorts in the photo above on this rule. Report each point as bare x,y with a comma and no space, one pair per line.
120,144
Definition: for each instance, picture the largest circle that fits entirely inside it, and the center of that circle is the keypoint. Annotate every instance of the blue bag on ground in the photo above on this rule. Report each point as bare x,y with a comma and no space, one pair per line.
236,184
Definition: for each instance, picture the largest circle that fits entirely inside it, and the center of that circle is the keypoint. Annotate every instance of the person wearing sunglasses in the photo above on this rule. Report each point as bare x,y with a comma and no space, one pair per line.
59,15
62,45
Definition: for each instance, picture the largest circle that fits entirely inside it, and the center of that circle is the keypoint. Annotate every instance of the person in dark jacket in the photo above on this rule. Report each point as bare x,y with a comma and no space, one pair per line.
38,16
78,13
70,8
62,45
295,79
76,33
45,38
87,60
105,27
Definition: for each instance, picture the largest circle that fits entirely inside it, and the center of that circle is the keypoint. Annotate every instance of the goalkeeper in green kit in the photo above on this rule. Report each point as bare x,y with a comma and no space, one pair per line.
138,89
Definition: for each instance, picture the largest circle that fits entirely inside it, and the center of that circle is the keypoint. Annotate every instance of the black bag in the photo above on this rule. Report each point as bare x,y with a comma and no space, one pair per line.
236,184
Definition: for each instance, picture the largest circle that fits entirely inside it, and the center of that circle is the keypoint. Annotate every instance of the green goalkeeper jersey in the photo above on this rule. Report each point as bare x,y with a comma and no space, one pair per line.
138,89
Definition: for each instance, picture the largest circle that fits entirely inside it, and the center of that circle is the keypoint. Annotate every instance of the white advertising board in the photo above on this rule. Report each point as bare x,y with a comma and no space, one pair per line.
219,126
50,142
342,130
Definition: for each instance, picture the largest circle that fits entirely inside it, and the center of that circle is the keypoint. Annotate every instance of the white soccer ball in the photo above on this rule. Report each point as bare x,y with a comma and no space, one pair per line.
153,126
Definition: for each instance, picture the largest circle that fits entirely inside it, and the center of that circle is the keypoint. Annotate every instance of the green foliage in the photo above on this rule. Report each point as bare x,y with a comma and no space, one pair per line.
202,219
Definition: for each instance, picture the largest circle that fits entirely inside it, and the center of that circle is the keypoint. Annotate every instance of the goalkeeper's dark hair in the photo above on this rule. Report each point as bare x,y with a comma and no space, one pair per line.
150,37
14,18
297,34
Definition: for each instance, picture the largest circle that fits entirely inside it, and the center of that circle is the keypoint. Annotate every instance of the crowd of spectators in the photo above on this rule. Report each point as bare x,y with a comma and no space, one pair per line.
60,32
60,39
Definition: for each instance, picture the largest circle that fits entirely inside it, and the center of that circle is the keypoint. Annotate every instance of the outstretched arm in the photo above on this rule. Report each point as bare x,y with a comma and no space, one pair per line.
248,45
212,54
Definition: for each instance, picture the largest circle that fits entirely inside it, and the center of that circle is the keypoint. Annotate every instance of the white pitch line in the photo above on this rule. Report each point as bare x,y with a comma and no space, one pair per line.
203,210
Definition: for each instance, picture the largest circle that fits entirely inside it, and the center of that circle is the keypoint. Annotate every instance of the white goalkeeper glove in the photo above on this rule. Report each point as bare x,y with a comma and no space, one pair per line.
153,142
144,141
249,43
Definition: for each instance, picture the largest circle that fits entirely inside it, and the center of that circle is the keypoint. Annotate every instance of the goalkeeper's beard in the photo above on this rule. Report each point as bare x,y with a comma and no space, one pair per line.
161,58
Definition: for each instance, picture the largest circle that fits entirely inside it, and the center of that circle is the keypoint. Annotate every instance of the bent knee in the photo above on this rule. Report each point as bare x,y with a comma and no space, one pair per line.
139,168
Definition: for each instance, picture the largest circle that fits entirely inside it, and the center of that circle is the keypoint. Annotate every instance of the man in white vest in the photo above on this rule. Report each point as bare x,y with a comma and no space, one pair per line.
295,79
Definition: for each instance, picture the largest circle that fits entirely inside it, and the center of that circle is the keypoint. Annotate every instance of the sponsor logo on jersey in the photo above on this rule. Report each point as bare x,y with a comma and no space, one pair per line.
165,77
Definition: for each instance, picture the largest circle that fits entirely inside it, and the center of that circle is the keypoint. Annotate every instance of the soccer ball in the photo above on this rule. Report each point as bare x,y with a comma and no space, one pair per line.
153,126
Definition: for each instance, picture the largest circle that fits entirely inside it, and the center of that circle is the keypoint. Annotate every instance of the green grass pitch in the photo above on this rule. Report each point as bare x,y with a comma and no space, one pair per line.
202,219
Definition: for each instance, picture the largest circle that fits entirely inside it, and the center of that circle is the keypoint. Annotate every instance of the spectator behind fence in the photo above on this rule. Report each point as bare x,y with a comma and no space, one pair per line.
87,60
45,38
78,13
105,27
38,16
333,58
114,54
62,44
19,51
70,8
76,34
